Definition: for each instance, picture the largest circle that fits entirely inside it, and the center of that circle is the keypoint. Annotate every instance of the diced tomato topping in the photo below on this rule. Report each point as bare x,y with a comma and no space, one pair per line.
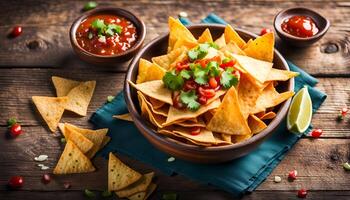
265,30
16,130
16,182
292,175
208,93
316,133
177,102
195,130
16,31
230,63
202,100
213,83
302,193
190,85
344,111
182,65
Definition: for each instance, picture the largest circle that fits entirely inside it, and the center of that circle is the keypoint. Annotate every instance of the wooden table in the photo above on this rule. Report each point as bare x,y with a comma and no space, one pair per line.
28,62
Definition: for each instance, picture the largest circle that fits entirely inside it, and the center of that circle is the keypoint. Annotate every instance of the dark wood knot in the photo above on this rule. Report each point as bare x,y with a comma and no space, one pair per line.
34,44
329,48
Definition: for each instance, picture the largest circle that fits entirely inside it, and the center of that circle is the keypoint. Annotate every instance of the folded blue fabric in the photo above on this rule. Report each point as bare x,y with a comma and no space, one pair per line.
238,176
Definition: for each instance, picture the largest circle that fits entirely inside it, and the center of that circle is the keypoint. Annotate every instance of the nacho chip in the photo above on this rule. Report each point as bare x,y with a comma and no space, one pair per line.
120,175
155,89
72,161
80,96
176,114
105,141
228,118
270,98
280,75
269,115
248,94
257,69
256,125
78,139
226,137
262,48
151,188
221,41
149,71
187,123
138,196
177,31
205,37
240,138
125,117
232,48
232,36
205,136
166,60
146,111
248,43
156,103
51,109
139,186
63,86
183,42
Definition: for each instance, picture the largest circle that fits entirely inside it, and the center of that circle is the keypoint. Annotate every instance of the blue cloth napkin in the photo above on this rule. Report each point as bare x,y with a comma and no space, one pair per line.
238,176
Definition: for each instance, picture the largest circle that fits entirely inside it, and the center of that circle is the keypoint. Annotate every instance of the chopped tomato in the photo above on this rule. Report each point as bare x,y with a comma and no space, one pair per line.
213,83
177,102
195,130
265,30
208,93
202,100
230,63
190,85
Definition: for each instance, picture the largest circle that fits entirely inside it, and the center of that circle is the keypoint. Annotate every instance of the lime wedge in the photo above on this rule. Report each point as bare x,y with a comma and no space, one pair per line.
300,112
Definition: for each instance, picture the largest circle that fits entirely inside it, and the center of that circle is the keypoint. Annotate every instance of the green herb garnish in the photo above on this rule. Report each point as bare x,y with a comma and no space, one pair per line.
89,193
190,99
63,140
200,75
227,79
173,81
90,5
105,29
110,98
11,122
106,194
199,52
186,74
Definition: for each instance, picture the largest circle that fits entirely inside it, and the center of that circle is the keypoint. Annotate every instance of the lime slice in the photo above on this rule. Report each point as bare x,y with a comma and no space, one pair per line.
300,112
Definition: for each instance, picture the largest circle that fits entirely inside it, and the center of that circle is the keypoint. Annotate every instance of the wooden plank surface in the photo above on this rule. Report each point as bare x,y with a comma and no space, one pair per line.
45,41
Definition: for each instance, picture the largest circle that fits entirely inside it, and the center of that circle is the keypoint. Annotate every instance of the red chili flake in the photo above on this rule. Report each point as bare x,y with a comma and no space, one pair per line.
16,182
316,133
302,193
46,178
67,185
292,175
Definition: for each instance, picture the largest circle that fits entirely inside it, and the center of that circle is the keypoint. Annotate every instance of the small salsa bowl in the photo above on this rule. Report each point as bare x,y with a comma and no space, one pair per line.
321,22
108,59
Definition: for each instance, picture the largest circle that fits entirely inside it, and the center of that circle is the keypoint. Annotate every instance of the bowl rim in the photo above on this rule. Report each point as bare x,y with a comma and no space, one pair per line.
280,31
77,21
139,121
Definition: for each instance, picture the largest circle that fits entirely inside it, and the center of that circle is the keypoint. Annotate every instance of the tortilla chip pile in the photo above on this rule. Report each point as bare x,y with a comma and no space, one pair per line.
234,114
72,95
126,182
82,145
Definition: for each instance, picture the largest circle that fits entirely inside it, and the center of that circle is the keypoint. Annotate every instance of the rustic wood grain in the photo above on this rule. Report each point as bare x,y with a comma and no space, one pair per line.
45,41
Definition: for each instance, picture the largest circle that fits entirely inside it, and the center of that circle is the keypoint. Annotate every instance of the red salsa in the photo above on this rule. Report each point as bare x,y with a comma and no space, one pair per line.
300,26
106,34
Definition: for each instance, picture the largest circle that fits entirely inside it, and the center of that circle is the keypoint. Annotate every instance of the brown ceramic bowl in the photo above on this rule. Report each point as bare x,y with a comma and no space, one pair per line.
108,59
321,22
191,152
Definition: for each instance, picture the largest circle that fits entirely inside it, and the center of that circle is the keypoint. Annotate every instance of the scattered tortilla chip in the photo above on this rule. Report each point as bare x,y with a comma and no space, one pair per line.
146,111
177,31
257,69
73,160
80,96
176,114
232,36
138,196
262,48
51,109
156,103
155,89
183,42
269,115
63,86
248,94
78,139
149,71
205,136
228,118
226,137
125,117
232,48
240,138
165,61
205,37
256,125
221,41
270,98
120,175
280,75
151,188
187,123
248,43
105,141
139,186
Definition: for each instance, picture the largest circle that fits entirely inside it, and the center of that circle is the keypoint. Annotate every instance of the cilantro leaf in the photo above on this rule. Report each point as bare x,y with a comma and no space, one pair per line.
113,28
199,52
192,54
213,68
227,79
90,5
173,81
186,74
214,45
190,99
200,75
99,25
